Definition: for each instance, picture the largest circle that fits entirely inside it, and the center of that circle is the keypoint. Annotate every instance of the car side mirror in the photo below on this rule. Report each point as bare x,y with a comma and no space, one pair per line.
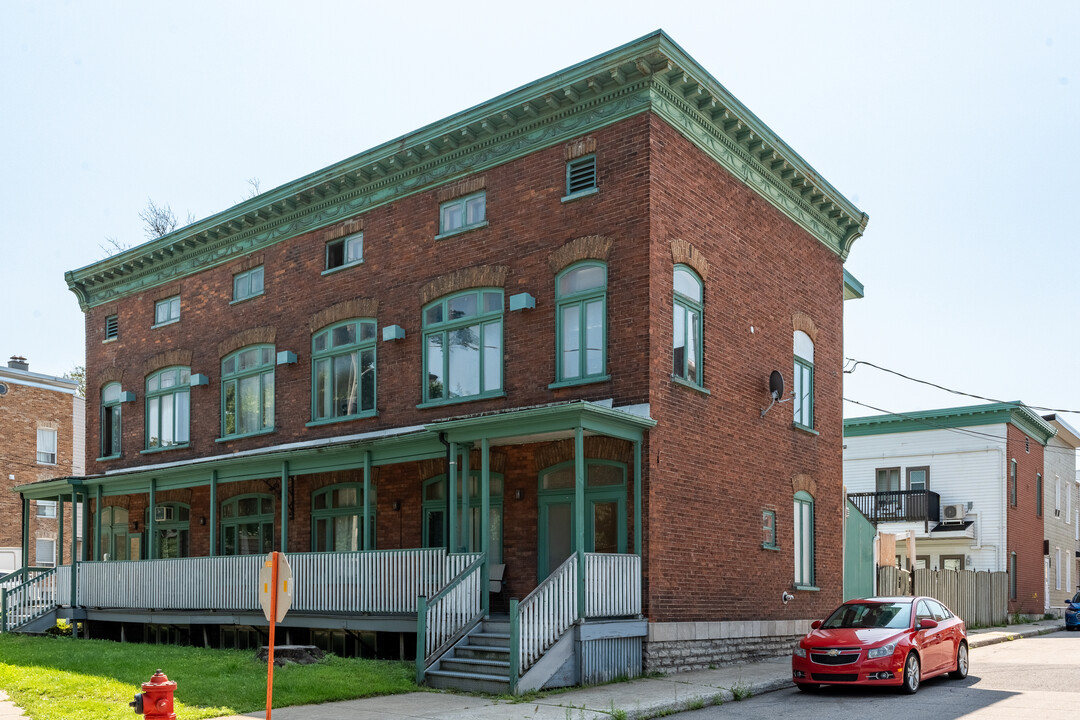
927,624
815,625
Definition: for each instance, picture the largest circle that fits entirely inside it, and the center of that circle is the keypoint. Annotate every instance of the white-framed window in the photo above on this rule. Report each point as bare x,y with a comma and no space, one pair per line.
345,251
1068,575
1068,502
167,311
1057,496
248,284
463,213
46,446
46,509
45,552
1057,568
804,380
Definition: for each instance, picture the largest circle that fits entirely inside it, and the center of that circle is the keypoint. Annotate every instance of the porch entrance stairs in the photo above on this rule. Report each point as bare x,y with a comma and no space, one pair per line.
479,663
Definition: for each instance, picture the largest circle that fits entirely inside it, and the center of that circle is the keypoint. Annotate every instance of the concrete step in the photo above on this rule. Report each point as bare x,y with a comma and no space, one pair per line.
469,682
483,652
475,666
491,639
500,627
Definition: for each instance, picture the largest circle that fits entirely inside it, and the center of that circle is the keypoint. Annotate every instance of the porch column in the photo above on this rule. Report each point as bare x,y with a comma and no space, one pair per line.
25,531
579,515
637,498
466,521
485,521
151,523
284,505
366,542
74,559
97,523
451,497
213,513
59,530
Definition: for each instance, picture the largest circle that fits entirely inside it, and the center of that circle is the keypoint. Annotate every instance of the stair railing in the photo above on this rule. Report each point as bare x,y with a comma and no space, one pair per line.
447,616
538,621
28,601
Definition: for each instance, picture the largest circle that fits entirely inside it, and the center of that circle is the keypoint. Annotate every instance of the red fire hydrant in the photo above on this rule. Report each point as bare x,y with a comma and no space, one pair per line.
156,699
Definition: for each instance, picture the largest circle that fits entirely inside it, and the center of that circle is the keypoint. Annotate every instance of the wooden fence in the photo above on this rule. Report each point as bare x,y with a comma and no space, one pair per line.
980,598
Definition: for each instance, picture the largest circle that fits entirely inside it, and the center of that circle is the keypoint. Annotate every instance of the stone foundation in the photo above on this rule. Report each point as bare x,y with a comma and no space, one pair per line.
678,647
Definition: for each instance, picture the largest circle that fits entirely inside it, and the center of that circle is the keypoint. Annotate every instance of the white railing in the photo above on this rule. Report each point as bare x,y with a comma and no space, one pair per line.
612,585
17,578
453,610
204,583
32,599
546,613
63,585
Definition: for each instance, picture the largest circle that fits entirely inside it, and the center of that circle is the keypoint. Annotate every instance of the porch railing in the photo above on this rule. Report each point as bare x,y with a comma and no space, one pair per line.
544,615
29,601
449,614
204,583
17,578
898,506
612,585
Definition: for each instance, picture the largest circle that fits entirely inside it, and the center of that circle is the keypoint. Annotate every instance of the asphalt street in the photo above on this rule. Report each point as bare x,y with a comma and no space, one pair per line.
1032,678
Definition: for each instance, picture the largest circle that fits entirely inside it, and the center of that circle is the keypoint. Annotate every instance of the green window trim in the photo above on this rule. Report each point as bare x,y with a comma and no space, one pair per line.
768,530
247,392
581,323
173,535
111,421
343,371
433,505
248,284
581,177
112,328
1038,495
167,311
1012,576
463,347
330,505
1012,482
344,252
112,540
803,380
596,493
167,420
804,540
238,530
462,214
688,332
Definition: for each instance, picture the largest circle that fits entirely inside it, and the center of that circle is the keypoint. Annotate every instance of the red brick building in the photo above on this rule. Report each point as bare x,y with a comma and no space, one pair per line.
573,295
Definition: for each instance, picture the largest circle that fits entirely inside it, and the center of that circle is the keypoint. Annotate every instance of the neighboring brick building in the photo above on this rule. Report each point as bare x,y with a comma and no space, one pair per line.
527,278
41,430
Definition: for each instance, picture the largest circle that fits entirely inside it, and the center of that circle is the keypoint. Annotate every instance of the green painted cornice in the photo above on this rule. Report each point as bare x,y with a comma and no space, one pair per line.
853,289
651,74
1015,413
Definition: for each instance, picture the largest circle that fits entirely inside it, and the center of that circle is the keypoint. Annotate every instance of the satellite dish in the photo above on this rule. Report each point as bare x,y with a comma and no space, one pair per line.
776,385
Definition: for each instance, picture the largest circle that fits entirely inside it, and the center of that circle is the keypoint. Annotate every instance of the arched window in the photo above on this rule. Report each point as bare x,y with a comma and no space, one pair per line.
581,321
247,525
434,514
804,380
605,511
247,391
113,541
110,420
168,407
804,539
172,523
463,346
343,371
337,523
689,312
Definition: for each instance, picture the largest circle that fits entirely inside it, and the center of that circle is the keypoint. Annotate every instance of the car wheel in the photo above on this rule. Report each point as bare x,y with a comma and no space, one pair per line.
912,672
807,687
961,670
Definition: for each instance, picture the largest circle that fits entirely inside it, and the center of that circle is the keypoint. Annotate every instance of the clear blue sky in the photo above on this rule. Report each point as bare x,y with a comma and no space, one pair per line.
954,125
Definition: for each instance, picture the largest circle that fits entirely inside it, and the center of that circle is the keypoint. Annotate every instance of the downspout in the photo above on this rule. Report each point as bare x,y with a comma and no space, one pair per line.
449,500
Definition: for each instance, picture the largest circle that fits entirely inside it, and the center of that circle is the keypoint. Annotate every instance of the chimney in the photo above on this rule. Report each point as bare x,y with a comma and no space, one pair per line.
18,362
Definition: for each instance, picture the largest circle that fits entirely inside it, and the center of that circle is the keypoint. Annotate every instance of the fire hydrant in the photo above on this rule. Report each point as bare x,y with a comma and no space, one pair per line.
156,699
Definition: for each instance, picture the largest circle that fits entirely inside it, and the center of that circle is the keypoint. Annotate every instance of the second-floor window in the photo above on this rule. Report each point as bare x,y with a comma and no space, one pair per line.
46,446
110,420
463,213
167,311
248,284
804,380
247,391
463,353
343,370
581,316
688,326
918,478
345,251
168,407
46,509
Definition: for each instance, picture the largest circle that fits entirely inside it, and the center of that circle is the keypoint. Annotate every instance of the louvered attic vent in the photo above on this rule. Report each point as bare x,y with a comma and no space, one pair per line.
112,327
581,174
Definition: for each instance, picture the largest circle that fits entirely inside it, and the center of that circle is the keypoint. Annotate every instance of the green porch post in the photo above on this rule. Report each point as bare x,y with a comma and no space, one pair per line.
284,505
25,532
366,543
213,513
74,558
579,515
151,524
485,521
637,498
97,523
59,530
466,521
451,504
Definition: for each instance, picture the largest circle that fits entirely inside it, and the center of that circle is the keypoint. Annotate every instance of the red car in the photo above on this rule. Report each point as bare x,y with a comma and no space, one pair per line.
882,641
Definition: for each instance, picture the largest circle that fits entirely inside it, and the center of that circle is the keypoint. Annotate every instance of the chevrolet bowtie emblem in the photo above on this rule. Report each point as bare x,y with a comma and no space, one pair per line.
833,653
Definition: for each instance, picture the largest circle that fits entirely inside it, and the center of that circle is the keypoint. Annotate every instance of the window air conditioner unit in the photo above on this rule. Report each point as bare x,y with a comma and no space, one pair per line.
953,514
163,513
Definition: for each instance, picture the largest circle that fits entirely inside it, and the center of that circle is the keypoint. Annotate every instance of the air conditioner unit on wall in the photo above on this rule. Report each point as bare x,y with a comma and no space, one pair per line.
163,513
953,514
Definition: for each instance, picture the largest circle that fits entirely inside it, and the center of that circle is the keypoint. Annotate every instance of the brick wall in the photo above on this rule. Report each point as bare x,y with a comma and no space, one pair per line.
1024,529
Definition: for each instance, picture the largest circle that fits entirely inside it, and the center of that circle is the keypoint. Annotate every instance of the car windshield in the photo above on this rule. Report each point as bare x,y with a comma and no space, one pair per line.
870,615
1076,598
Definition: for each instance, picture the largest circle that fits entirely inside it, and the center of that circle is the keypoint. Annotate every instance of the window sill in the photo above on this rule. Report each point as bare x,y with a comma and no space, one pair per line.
155,326
581,194
107,458
805,429
230,438
109,340
807,588
339,268
164,448
245,299
47,464
331,421
461,230
687,384
775,548
579,381
459,400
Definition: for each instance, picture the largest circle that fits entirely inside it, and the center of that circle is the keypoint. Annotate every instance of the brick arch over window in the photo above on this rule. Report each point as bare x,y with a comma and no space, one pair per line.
596,448
167,359
251,336
346,227
110,374
802,321
590,247
683,253
355,308
580,148
166,291
461,188
427,469
251,261
802,481
471,277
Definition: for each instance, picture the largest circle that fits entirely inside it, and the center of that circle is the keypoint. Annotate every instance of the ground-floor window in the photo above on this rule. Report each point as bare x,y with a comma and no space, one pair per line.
337,522
172,528
952,562
804,539
471,526
247,525
114,539
605,511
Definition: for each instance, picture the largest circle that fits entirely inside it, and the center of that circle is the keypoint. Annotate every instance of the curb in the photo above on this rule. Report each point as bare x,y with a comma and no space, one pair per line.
1006,637
691,702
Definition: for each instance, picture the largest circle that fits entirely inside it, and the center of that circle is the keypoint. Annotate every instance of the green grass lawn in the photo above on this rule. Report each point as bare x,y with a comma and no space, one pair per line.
65,679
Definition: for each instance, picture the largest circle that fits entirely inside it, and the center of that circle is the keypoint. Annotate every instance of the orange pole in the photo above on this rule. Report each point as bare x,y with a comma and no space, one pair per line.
273,623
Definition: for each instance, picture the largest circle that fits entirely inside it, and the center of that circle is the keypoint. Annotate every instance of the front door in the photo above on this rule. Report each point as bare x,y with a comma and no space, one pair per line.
605,512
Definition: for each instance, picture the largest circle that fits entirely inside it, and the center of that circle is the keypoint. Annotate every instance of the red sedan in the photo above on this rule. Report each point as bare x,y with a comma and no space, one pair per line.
882,641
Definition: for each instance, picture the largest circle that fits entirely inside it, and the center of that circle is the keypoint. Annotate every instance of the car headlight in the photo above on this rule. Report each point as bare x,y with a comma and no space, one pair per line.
883,651
800,651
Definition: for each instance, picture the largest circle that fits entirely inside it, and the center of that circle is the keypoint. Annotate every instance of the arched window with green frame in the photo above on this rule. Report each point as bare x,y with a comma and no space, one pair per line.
337,522
803,404
804,539
434,513
247,391
463,346
247,524
172,523
689,304
113,540
605,511
343,371
581,323
168,407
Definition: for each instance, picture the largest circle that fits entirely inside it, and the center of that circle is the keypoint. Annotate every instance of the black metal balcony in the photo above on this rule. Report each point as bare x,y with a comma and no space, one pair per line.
899,506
